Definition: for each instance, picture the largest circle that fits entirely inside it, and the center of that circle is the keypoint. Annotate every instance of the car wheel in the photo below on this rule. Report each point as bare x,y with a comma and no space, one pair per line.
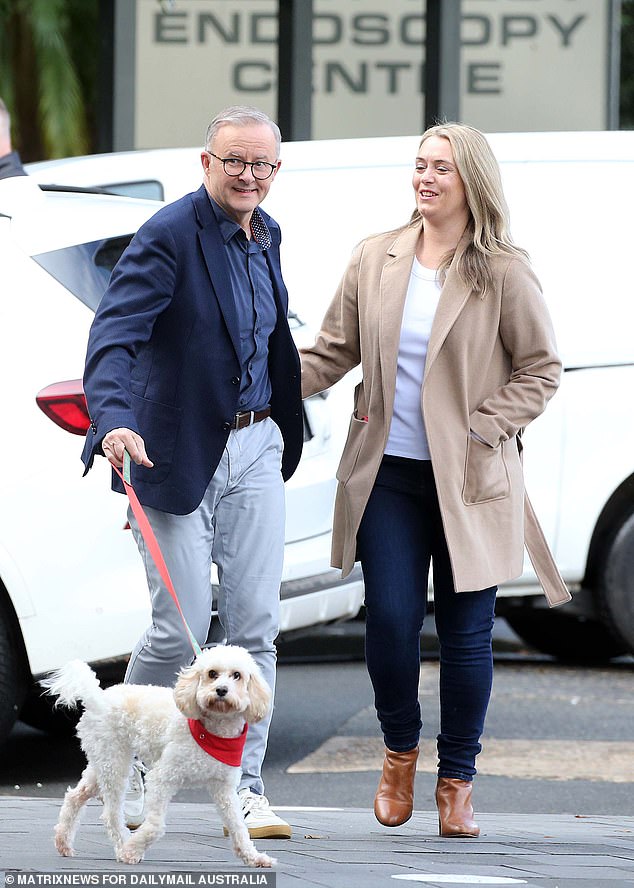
567,637
615,583
13,681
39,712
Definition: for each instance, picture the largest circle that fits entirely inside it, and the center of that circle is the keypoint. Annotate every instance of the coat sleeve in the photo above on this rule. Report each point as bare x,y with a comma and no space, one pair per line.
527,336
141,287
337,346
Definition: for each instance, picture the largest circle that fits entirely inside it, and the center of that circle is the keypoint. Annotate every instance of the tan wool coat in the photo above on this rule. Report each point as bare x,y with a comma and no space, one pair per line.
491,368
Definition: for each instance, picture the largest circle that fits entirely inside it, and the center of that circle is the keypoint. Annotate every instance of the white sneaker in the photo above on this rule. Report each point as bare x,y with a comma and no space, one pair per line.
261,821
134,801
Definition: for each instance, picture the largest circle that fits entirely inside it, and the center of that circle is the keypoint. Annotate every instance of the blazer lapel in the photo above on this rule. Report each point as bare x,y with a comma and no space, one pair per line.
279,290
395,277
453,298
217,266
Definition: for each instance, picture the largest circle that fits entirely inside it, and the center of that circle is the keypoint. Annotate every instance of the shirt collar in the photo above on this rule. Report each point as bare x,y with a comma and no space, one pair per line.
229,228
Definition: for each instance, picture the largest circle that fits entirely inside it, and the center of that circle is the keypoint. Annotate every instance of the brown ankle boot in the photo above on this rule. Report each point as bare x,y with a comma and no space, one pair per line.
455,813
394,800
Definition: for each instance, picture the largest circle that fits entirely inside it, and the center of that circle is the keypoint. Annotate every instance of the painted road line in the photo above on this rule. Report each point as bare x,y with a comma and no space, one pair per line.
448,878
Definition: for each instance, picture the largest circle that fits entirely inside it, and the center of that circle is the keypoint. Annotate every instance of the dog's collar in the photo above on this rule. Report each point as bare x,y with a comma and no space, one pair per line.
227,750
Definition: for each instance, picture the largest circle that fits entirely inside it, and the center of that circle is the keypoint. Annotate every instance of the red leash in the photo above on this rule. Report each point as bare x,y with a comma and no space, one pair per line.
155,551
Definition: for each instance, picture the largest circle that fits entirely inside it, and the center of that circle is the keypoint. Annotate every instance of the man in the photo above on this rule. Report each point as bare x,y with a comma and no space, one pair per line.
10,163
191,367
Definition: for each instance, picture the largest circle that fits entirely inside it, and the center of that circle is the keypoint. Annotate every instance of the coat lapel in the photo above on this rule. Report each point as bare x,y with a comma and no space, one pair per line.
279,290
393,292
217,267
453,298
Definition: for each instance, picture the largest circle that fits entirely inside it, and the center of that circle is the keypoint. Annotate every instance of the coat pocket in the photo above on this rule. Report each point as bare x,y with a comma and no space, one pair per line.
486,476
356,435
352,448
159,425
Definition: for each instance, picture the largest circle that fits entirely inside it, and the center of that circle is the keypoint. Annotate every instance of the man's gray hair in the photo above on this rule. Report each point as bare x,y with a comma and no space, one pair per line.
242,115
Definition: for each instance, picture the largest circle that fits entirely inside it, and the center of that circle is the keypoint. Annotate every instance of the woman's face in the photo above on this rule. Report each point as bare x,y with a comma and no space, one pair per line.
440,194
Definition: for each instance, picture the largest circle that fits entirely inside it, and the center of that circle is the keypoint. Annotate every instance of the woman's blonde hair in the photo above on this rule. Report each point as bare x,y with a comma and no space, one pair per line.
489,214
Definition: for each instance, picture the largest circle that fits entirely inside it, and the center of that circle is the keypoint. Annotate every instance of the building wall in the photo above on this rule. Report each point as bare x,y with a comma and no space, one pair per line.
525,65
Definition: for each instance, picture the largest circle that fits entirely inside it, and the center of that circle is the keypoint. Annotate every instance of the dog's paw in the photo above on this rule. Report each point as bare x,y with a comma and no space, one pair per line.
63,847
261,859
129,855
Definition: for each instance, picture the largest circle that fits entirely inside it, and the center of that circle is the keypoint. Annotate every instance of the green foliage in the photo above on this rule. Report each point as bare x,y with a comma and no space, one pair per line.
44,54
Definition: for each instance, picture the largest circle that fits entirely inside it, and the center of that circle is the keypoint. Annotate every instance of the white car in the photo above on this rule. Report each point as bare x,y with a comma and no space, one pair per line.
71,582
569,196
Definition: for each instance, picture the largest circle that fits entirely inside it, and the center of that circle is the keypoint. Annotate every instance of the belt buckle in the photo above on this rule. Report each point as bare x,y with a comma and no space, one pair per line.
240,418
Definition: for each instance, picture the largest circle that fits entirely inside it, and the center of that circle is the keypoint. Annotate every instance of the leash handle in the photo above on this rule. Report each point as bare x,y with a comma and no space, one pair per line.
152,543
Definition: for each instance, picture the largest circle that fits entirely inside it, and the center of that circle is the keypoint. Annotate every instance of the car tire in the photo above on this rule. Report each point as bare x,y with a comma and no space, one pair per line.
39,712
13,673
567,637
614,589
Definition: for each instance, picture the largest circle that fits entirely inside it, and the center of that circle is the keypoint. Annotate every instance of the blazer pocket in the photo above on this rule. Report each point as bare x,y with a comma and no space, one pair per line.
159,425
352,448
486,476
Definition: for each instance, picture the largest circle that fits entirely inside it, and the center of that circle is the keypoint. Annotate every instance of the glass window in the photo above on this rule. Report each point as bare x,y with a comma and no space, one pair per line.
85,269
149,189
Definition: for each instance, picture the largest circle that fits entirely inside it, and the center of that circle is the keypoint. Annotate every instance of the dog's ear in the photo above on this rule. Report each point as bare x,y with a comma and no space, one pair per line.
185,691
259,697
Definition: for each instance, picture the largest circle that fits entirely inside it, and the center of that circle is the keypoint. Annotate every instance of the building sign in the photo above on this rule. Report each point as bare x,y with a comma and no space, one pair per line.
524,65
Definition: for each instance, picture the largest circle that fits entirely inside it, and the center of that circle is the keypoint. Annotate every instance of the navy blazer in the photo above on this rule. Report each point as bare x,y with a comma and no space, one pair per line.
163,356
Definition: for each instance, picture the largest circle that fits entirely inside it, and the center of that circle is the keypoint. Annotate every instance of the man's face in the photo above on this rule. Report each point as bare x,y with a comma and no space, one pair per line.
240,195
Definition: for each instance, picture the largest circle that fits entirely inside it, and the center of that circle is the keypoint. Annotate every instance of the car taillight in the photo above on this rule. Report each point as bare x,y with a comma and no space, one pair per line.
65,404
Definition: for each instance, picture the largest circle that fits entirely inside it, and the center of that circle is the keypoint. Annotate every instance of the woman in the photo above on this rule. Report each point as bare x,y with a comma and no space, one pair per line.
458,356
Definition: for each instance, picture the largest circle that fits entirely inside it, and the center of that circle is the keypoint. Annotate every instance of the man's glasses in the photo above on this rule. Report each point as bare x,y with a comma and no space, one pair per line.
233,166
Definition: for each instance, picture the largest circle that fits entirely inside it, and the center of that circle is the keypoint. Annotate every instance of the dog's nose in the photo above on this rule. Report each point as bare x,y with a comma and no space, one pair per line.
222,692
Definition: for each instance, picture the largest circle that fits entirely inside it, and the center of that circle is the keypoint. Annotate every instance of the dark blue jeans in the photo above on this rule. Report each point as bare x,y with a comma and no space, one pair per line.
401,531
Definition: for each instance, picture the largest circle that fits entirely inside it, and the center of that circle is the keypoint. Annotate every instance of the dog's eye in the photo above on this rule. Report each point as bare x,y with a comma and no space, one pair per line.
237,676
212,673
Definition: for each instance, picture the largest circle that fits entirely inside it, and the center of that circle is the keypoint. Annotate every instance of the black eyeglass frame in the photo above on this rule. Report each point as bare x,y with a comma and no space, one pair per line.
245,164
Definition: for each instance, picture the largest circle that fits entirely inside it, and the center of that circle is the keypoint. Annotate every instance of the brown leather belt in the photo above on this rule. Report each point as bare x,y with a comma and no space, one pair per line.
242,420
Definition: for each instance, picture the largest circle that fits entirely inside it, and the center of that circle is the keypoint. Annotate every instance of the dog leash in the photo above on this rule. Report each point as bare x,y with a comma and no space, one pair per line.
152,543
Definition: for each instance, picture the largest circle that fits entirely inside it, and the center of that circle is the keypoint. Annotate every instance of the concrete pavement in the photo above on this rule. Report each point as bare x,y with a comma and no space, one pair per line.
332,848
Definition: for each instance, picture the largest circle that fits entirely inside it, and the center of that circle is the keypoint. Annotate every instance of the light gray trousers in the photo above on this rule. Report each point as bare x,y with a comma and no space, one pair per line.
239,526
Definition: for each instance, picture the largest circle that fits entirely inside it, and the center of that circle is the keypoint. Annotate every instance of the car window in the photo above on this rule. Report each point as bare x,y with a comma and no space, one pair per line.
149,189
294,321
85,269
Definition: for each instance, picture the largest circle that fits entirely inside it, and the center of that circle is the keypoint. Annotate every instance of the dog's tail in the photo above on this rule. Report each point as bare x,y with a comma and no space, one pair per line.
73,683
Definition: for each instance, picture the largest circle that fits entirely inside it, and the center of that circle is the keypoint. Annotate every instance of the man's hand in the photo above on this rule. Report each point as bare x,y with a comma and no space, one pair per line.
118,440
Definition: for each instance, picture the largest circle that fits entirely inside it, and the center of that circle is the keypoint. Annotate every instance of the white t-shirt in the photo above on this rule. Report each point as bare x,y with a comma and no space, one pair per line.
407,431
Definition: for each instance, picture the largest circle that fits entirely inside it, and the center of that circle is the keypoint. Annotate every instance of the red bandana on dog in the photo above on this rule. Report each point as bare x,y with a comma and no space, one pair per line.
227,750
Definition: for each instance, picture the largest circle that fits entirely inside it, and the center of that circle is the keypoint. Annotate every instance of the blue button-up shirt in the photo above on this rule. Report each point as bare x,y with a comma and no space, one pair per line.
255,304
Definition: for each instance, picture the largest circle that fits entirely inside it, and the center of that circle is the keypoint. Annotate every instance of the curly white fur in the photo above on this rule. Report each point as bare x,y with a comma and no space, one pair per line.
223,689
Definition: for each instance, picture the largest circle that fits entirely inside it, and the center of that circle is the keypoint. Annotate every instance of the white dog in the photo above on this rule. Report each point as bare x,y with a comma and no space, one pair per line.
213,701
